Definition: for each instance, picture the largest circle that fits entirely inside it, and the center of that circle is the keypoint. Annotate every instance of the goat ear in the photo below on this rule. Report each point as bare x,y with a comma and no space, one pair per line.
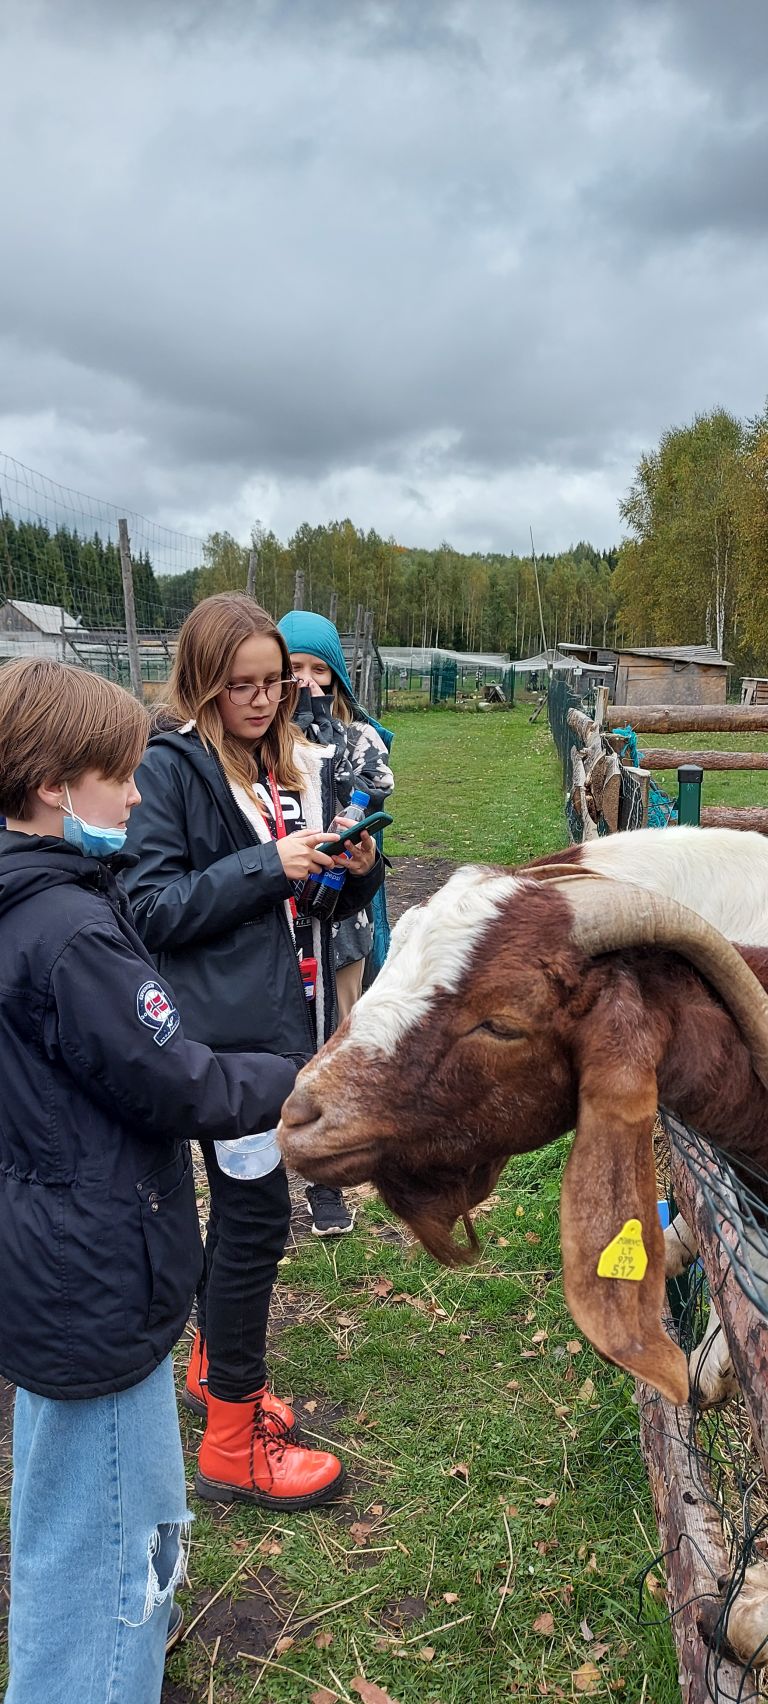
610,1223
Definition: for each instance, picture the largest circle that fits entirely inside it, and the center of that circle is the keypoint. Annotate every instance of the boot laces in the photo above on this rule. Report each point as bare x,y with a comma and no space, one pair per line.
273,1434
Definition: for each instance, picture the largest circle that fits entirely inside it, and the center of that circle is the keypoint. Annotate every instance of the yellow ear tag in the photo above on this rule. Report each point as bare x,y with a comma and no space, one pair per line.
625,1256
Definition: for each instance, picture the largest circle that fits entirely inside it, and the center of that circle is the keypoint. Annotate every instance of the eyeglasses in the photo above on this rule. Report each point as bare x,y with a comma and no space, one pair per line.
247,692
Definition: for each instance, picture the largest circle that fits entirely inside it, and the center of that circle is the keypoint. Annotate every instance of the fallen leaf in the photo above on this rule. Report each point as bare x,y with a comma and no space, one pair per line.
323,1641
531,1237
270,1547
586,1678
361,1531
586,1391
511,1512
529,1355
310,1406
547,1502
561,1410
540,1337
426,1653
370,1692
346,1320
586,1631
519,1212
382,1287
512,1384
464,1337
654,1586
598,1650
544,1623
592,1563
573,1346
323,1696
284,1644
450,1597
377,1509
459,1471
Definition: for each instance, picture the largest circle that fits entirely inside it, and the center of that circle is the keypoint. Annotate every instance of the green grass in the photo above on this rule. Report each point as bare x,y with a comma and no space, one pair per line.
475,786
741,787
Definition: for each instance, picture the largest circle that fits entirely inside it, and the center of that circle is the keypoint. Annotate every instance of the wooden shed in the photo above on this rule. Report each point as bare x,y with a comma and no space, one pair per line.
671,674
754,689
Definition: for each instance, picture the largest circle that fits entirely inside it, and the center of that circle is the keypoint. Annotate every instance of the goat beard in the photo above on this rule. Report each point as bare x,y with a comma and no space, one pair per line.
432,1209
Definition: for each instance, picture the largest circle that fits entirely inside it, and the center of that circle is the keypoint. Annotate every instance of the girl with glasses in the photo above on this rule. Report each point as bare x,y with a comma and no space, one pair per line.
234,804
328,712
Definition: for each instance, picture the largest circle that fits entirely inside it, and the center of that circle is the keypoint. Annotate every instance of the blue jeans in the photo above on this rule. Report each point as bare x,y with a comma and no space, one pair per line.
98,1511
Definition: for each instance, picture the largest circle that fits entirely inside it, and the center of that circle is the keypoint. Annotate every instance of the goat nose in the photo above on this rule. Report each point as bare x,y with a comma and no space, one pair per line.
300,1108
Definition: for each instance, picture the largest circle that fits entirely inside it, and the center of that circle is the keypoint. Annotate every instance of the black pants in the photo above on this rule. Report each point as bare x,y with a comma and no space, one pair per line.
246,1236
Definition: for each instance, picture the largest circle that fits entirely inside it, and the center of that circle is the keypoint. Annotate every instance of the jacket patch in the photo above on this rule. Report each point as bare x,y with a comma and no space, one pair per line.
154,1009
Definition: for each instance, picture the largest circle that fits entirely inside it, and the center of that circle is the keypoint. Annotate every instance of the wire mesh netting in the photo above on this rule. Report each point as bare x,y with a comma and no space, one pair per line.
724,1467
61,586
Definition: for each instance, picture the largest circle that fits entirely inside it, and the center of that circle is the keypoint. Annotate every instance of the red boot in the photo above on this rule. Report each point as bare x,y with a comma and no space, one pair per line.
195,1392
244,1457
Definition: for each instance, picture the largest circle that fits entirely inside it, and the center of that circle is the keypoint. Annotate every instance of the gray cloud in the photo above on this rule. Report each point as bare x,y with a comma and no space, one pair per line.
443,265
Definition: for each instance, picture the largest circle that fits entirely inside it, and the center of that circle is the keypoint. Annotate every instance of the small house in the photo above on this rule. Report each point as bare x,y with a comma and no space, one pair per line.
670,674
36,630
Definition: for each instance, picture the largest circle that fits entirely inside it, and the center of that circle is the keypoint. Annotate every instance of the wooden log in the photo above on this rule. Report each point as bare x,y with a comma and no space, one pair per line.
579,795
605,787
692,1540
627,800
745,1327
585,730
731,816
601,705
690,719
664,759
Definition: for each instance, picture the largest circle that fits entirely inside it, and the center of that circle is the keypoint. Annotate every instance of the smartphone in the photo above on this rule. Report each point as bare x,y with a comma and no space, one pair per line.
369,825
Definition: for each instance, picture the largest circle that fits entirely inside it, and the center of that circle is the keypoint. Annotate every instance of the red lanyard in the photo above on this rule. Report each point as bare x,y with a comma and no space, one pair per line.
280,828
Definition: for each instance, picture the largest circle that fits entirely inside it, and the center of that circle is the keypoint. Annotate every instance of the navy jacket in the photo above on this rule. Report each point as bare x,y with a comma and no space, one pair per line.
100,1091
209,901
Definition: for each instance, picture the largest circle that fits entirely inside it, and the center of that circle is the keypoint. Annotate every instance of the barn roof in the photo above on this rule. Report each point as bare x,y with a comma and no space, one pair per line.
705,654
49,618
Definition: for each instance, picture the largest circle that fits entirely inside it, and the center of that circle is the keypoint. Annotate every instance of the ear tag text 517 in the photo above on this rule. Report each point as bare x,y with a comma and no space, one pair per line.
625,1256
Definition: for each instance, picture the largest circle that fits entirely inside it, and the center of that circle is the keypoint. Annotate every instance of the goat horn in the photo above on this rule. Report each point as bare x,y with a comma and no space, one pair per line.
607,918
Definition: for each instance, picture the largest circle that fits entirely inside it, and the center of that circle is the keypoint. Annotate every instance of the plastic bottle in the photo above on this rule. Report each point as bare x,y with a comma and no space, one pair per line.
250,1156
321,895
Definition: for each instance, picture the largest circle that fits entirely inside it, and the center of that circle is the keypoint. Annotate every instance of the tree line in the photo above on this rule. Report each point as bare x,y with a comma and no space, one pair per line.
443,597
691,571
419,597
695,567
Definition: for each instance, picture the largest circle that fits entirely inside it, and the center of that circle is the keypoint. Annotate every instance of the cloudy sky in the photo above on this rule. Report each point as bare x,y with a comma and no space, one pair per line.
445,267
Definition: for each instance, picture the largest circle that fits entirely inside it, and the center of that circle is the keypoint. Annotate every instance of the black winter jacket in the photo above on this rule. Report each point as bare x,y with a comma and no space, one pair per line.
209,901
100,1250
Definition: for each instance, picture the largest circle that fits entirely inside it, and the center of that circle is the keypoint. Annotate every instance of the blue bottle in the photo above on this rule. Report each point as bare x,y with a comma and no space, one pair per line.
321,895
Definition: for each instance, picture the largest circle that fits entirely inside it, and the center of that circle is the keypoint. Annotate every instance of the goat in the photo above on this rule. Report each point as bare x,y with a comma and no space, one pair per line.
512,1008
515,1005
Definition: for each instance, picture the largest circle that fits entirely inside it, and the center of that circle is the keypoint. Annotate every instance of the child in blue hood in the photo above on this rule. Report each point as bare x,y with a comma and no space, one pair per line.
328,713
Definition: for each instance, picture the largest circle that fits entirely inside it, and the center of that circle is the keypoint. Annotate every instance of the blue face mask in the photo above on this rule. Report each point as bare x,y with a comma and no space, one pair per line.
88,838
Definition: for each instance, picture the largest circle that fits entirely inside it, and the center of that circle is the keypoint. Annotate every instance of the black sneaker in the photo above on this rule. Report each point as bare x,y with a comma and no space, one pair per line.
329,1212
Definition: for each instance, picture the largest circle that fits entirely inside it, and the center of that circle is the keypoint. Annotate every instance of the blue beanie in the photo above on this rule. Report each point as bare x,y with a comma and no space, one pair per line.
317,637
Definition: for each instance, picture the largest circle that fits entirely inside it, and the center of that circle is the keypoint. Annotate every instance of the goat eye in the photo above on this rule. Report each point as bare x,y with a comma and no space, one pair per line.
500,1030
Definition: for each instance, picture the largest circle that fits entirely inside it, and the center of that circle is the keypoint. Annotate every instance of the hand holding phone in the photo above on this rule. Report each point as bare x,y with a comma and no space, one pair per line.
368,825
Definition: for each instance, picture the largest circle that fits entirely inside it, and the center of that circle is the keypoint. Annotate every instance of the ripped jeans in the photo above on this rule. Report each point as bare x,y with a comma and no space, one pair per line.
98,1516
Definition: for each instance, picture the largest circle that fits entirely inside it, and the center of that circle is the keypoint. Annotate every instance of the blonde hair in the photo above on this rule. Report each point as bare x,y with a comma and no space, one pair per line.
342,709
58,721
203,668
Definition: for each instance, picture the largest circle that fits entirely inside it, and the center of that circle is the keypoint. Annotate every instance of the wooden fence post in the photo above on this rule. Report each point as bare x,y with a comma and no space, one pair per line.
126,570
356,644
298,589
333,609
250,584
